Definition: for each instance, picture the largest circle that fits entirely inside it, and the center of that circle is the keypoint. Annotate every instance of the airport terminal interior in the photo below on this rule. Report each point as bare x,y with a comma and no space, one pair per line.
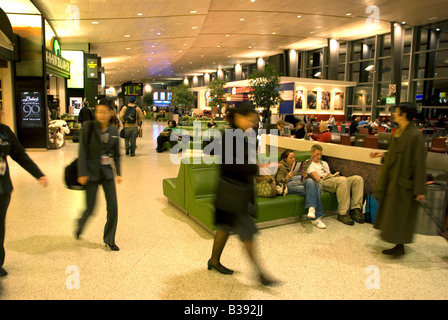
190,62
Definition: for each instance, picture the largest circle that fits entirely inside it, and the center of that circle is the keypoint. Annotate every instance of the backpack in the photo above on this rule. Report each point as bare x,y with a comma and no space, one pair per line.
130,115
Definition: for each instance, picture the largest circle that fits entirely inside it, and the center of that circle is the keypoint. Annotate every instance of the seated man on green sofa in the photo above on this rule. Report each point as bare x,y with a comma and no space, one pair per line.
349,190
289,172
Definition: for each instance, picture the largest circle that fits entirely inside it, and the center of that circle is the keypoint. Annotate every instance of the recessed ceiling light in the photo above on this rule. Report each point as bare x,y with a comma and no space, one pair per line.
227,35
194,27
193,11
128,48
348,14
273,33
139,14
299,17
95,22
158,33
127,35
242,19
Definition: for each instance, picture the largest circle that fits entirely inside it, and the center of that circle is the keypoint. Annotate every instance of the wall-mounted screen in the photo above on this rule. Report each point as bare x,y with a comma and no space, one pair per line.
133,89
32,113
162,98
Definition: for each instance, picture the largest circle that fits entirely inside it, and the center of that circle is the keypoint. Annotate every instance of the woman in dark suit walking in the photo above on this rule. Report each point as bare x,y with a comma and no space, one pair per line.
235,203
99,143
10,146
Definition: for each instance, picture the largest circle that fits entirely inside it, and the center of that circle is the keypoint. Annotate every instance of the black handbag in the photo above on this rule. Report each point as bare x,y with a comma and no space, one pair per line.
71,171
71,176
235,197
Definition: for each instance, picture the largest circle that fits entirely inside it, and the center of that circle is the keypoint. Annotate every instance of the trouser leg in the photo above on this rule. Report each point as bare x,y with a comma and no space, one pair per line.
339,186
356,184
312,198
133,136
4,203
112,211
91,190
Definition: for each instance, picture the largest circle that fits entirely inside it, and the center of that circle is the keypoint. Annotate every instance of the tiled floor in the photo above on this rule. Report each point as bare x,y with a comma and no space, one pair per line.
163,254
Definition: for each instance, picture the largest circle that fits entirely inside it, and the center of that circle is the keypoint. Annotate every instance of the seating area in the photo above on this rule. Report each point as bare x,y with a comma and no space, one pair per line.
194,190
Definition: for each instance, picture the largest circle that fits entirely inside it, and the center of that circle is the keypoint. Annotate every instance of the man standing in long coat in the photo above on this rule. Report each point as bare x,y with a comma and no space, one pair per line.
401,184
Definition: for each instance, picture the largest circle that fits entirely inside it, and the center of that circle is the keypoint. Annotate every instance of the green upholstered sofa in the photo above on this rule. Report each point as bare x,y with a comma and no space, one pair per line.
194,189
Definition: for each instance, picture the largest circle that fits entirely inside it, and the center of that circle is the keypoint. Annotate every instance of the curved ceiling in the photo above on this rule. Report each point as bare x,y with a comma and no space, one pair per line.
159,39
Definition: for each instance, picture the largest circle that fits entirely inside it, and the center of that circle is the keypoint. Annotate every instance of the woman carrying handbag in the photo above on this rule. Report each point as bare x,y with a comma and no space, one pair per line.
99,143
235,203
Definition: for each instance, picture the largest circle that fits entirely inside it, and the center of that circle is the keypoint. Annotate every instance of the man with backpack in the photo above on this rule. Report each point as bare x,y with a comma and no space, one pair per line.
131,115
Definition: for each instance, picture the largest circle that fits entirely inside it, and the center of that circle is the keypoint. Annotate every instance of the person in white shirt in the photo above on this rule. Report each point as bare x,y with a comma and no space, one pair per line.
349,190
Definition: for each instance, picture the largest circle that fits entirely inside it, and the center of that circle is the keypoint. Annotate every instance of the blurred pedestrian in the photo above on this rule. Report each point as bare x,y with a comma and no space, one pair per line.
235,203
10,146
99,143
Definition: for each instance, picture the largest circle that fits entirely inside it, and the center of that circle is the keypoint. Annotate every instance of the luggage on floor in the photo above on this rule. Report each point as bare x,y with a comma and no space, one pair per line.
371,208
431,214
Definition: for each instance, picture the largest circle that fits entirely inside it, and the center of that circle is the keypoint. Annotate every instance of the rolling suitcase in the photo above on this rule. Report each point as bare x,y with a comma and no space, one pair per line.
434,208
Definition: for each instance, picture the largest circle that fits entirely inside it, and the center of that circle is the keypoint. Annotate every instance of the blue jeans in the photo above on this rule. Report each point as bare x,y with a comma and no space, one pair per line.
132,134
310,190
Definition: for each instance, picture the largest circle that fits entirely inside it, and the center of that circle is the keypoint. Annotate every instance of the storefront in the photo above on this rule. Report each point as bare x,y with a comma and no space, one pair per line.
8,54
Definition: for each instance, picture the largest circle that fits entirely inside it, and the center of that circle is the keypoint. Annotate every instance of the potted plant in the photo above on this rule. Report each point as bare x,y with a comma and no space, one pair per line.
182,96
265,86
217,93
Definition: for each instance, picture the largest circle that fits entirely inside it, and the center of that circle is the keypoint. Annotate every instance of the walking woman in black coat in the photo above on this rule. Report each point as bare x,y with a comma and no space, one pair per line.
235,205
10,146
99,143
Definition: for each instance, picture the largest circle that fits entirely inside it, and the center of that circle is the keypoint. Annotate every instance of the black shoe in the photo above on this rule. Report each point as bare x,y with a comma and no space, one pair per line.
357,215
132,154
345,219
220,268
264,280
113,247
3,272
159,151
396,251
127,152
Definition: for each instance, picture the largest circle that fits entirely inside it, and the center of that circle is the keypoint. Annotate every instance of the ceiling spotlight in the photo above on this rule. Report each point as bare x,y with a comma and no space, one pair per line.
139,14
193,11
127,35
370,68
95,22
299,17
242,19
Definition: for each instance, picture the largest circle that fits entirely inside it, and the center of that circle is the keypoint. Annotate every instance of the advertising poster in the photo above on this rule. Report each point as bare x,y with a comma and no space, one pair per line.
311,98
326,100
339,101
299,99
31,110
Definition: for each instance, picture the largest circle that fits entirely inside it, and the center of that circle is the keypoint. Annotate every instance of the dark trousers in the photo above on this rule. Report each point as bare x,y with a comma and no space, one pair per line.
130,138
160,141
112,208
4,203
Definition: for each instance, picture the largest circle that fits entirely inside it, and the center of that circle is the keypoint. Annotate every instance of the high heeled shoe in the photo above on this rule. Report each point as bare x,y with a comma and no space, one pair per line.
266,281
220,268
112,247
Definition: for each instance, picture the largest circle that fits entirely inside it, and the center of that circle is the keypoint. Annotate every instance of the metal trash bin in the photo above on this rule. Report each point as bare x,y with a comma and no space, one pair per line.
436,199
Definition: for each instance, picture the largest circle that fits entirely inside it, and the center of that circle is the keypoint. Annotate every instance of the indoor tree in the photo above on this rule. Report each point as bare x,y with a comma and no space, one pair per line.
217,93
182,96
265,86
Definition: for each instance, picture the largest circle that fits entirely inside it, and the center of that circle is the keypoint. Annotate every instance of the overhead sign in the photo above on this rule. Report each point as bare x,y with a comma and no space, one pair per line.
56,46
92,68
57,65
